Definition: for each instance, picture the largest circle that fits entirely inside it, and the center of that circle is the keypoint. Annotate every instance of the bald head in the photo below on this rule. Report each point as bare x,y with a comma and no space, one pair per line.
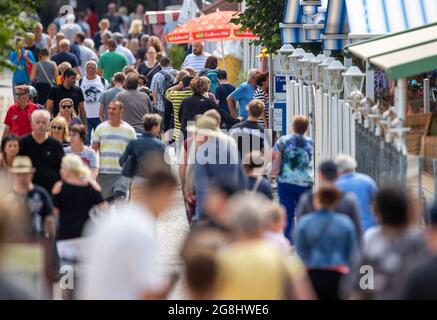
198,48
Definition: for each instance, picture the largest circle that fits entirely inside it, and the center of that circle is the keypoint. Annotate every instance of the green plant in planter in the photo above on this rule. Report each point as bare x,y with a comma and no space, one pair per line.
177,54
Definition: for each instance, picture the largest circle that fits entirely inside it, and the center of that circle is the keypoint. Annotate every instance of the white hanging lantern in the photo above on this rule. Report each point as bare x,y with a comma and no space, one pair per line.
314,65
353,80
286,50
321,72
307,67
335,78
296,70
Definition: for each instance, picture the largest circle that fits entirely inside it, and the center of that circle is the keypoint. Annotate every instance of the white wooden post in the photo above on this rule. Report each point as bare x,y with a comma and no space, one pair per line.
352,122
341,125
326,125
335,131
370,82
402,85
289,106
301,98
426,93
296,98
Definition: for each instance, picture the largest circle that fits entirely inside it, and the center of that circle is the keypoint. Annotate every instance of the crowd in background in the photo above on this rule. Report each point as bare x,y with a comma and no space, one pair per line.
97,104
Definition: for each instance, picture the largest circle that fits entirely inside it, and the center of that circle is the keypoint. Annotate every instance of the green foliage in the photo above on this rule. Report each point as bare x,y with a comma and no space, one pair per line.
11,25
262,17
177,54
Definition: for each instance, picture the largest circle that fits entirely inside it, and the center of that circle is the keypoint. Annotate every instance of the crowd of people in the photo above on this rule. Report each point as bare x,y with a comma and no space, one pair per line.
97,108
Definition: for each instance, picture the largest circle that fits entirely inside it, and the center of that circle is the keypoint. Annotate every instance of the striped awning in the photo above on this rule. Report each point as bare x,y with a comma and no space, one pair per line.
301,22
350,19
336,33
402,54
386,16
161,17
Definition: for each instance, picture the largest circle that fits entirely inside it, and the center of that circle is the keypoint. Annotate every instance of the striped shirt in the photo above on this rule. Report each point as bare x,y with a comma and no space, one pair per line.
260,94
197,62
176,97
112,141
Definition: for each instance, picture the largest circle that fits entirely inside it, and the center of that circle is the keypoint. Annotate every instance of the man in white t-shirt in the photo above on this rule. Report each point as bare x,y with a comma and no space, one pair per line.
92,87
86,54
197,59
120,262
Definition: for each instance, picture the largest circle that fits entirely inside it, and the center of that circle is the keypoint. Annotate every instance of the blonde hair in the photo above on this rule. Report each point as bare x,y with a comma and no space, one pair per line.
180,75
136,26
207,80
64,43
256,108
61,110
75,165
60,120
155,42
63,66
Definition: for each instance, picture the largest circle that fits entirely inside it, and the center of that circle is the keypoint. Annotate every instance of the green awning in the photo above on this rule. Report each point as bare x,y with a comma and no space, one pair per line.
401,55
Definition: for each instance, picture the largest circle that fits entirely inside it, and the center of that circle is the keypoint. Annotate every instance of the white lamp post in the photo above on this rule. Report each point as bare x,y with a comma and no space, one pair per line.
296,70
315,66
335,79
322,80
307,67
286,50
353,80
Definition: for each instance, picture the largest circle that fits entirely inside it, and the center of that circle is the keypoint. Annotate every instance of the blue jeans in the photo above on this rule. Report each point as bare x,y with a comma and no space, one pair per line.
91,124
289,195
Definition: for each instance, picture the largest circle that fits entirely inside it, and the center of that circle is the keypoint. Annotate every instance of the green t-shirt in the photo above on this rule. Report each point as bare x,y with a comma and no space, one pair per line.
111,62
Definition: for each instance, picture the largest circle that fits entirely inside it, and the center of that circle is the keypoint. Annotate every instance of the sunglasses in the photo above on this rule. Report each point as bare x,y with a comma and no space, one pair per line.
57,128
19,94
67,106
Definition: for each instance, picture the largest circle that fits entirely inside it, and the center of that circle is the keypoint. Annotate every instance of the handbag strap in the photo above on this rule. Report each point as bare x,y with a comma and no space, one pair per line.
45,74
151,70
256,185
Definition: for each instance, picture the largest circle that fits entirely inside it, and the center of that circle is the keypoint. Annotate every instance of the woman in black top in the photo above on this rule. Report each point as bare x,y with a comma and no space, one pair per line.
150,66
199,103
74,196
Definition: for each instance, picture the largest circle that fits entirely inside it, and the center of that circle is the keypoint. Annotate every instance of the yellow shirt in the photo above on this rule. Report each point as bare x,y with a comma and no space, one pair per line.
255,270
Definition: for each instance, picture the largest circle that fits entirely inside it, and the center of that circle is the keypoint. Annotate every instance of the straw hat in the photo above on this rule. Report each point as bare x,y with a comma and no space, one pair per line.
206,126
22,164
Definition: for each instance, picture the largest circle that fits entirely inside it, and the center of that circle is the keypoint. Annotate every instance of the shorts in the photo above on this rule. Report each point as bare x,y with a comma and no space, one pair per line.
111,183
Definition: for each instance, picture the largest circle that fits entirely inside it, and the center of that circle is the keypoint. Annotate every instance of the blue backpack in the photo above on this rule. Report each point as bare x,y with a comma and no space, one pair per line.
212,75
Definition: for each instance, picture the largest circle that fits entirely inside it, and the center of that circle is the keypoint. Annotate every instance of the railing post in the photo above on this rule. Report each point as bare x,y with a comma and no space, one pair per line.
426,93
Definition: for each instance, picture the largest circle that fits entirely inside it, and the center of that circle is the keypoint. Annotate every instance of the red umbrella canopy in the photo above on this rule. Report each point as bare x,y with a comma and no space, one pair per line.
211,27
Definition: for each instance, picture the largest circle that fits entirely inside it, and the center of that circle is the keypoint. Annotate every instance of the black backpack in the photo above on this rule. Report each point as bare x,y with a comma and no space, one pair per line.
168,80
168,121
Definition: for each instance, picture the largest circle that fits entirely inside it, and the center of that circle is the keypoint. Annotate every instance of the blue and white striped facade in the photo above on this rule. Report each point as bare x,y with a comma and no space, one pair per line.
302,21
344,20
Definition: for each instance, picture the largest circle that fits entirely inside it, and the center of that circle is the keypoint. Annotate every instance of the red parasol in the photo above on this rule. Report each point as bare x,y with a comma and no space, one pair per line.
211,27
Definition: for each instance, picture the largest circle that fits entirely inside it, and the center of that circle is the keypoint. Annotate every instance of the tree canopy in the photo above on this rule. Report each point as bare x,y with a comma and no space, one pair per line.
262,17
13,22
